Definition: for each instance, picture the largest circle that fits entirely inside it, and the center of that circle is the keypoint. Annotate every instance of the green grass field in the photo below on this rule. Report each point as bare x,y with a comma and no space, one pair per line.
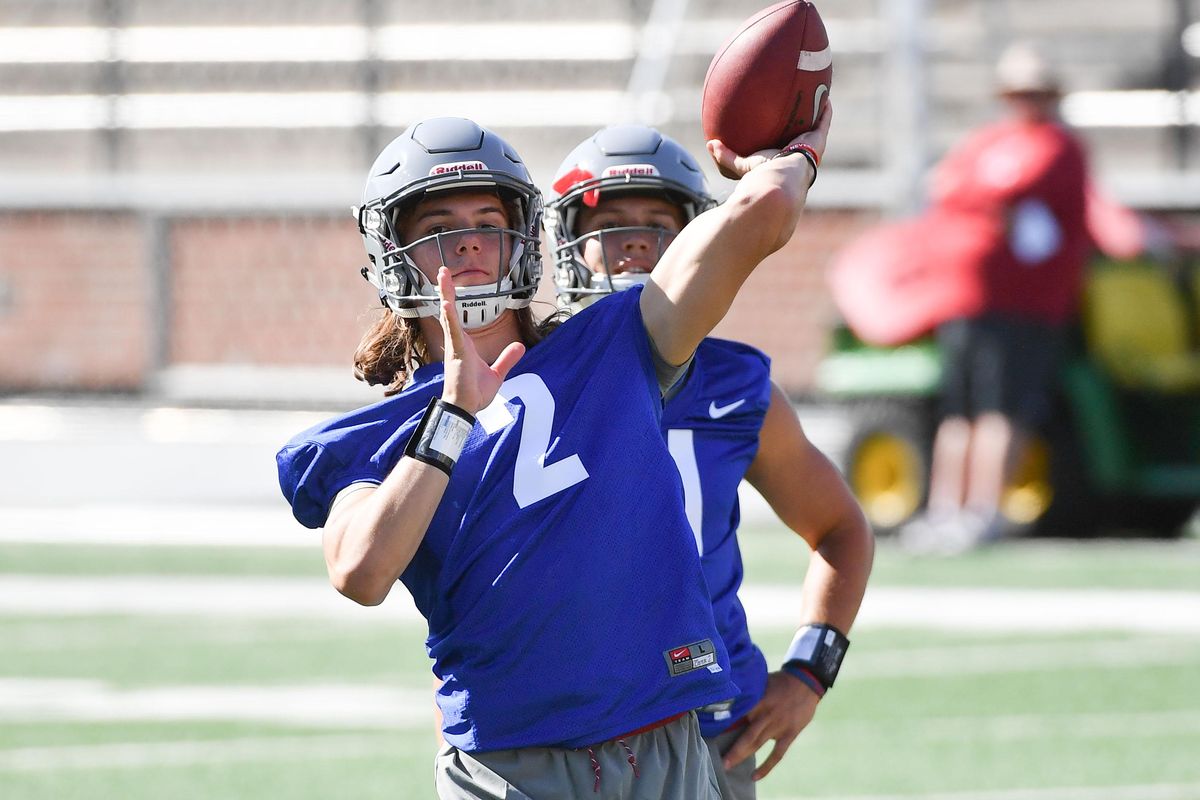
100,702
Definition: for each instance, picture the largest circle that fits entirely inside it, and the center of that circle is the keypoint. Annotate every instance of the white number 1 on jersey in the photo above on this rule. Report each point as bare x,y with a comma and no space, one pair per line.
680,442
533,478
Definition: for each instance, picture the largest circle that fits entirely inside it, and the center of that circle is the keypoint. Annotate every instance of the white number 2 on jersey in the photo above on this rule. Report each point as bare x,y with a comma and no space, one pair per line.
683,449
533,478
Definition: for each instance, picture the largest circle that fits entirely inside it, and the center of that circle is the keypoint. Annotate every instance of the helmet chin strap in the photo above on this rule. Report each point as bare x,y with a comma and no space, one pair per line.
477,313
477,306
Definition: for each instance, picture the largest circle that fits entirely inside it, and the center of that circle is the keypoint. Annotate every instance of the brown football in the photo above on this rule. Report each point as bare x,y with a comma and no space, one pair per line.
768,83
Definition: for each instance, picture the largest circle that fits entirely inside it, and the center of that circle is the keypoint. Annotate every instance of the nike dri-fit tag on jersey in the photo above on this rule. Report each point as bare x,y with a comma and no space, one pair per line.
690,656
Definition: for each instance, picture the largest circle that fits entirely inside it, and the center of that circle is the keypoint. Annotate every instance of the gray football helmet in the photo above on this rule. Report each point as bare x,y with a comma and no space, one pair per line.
621,158
448,154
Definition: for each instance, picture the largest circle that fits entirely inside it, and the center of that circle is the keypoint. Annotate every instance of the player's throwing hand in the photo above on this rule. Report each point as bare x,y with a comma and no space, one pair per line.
734,166
470,383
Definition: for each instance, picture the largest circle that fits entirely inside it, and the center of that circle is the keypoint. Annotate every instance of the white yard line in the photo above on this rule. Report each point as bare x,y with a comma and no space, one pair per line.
307,705
1039,655
141,525
993,610
138,755
21,422
267,522
388,708
1053,727
245,598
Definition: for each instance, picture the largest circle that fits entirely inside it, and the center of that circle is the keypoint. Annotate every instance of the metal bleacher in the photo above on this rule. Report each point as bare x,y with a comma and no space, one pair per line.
168,98
195,161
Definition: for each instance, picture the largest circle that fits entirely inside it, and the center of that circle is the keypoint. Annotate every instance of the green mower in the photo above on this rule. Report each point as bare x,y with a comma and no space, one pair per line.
1120,454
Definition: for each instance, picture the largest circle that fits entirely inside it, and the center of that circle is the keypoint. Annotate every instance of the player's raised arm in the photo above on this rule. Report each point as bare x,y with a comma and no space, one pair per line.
698,277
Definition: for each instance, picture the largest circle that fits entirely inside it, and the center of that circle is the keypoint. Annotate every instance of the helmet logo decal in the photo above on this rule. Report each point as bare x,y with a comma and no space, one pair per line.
631,171
458,166
574,177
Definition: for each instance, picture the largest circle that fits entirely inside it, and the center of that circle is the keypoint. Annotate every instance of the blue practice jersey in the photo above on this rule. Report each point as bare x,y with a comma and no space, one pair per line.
559,576
712,427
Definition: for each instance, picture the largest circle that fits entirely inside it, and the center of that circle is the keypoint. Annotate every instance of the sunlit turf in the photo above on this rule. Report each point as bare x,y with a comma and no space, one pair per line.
878,732
75,559
771,555
914,712
382,764
132,651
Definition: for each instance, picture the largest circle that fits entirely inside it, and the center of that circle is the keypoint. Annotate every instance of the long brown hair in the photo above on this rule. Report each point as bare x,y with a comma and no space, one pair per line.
392,348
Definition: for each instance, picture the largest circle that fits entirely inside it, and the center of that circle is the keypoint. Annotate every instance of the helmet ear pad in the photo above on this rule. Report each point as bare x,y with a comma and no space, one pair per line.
570,269
572,274
525,262
402,279
527,272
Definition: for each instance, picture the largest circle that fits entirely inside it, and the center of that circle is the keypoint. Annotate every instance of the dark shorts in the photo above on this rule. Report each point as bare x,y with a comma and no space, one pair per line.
1000,364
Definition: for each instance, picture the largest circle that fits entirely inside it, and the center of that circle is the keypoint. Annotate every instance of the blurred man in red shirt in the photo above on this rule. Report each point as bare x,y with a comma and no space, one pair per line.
1019,185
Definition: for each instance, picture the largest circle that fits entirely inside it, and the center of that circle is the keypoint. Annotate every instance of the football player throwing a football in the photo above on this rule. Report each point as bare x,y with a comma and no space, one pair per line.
573,635
620,200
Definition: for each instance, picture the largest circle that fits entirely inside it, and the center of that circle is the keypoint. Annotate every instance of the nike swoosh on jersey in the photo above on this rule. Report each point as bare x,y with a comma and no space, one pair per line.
716,412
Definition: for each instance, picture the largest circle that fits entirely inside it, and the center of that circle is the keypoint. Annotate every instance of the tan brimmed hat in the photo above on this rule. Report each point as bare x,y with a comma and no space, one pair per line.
1024,69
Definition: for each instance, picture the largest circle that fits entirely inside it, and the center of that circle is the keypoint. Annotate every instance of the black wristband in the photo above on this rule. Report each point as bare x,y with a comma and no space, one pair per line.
440,435
820,650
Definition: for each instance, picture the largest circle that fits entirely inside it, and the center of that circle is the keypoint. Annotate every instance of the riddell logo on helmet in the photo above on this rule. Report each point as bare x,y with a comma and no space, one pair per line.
631,171
472,303
461,166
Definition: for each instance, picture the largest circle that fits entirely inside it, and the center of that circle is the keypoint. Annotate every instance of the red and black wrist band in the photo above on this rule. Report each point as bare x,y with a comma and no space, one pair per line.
808,151
805,676
440,435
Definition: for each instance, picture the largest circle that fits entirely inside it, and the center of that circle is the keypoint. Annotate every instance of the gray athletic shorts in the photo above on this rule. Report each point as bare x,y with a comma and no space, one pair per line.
736,783
667,763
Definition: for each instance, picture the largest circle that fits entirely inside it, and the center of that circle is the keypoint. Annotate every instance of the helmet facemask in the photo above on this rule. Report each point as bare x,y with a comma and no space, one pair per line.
580,286
408,292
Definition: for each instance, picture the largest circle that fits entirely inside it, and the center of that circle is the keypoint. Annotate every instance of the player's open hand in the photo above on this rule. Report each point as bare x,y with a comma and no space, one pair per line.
470,383
734,166
786,708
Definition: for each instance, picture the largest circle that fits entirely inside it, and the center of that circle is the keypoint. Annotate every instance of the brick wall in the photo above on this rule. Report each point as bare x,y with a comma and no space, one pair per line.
267,291
74,302
77,297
